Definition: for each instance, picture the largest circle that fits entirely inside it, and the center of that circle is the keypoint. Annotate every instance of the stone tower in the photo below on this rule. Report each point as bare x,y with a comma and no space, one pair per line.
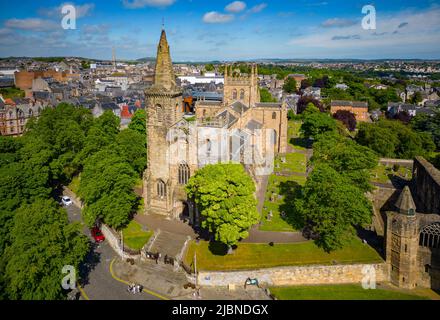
164,109
241,88
402,241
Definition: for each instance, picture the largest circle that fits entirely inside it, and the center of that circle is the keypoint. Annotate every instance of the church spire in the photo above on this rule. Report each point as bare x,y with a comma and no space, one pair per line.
164,74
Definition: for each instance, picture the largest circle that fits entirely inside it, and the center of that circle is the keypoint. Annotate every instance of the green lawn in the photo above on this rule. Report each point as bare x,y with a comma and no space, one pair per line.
212,256
74,184
293,135
294,162
341,292
382,173
283,186
134,236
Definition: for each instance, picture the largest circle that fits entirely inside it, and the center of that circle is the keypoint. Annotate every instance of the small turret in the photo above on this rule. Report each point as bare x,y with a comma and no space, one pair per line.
405,203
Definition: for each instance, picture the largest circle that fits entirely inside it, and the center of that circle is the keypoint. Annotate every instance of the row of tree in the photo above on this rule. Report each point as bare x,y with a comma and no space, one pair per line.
333,202
36,239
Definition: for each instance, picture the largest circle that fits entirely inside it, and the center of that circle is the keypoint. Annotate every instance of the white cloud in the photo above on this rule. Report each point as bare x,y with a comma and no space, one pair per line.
418,31
258,8
236,6
215,17
34,24
136,4
82,10
338,23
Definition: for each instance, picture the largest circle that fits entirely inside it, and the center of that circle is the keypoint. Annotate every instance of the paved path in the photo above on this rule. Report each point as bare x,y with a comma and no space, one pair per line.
258,236
155,221
97,281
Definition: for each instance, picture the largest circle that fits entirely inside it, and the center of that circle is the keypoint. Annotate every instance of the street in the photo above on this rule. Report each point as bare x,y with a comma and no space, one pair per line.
97,281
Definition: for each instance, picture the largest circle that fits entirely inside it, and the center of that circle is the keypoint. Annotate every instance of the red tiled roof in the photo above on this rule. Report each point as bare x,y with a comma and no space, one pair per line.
125,113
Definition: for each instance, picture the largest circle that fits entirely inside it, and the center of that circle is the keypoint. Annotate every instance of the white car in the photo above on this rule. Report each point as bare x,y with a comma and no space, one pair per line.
66,201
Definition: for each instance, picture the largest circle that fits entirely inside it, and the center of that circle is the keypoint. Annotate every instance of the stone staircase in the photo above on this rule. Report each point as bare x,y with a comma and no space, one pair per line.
167,243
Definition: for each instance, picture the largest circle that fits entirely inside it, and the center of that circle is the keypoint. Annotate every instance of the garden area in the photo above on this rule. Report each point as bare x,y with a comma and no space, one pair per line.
135,235
213,255
294,137
289,174
385,173
342,292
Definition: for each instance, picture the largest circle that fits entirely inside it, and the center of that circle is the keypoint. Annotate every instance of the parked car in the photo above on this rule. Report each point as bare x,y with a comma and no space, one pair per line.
97,234
66,201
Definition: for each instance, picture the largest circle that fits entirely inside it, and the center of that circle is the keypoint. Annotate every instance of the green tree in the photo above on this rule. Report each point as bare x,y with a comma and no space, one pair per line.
132,147
290,85
224,195
332,206
42,243
430,124
209,67
106,187
348,158
266,96
139,122
317,123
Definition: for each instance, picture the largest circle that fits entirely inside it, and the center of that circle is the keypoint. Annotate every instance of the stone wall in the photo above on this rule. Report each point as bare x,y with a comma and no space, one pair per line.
298,275
427,181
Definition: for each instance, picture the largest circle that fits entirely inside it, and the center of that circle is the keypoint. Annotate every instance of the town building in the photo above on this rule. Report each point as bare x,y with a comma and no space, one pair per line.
358,108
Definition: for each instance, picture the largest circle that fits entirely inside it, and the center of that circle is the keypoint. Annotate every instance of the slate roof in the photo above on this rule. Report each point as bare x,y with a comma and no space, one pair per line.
268,104
239,107
253,125
354,104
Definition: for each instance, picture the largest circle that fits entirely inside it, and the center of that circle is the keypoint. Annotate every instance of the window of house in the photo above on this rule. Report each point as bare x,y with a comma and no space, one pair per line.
234,94
241,94
184,173
161,189
274,115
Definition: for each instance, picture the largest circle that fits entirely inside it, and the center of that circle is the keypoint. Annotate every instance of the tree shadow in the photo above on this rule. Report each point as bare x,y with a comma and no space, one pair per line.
373,240
397,181
301,142
291,190
92,259
218,248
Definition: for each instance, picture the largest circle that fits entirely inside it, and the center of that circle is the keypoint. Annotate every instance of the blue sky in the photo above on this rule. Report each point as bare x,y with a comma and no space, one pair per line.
223,30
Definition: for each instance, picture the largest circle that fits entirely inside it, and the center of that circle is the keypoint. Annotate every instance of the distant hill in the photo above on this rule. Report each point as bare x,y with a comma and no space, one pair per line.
148,59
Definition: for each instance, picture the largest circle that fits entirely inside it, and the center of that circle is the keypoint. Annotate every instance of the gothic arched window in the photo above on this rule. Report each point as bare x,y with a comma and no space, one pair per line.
241,94
161,189
274,115
204,113
159,113
430,236
234,94
184,173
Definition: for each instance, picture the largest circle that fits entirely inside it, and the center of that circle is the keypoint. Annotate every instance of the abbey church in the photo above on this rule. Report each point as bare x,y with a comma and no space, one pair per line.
237,129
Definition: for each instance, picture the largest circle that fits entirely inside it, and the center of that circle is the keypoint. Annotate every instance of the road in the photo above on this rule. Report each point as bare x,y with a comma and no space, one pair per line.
97,281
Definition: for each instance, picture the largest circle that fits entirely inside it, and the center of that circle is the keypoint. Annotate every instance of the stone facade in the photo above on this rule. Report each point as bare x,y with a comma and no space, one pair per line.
178,144
299,275
427,181
412,239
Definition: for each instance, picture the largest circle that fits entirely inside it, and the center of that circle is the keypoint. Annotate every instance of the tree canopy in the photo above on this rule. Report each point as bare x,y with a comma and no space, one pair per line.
290,85
224,195
139,122
316,123
42,242
393,139
332,206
